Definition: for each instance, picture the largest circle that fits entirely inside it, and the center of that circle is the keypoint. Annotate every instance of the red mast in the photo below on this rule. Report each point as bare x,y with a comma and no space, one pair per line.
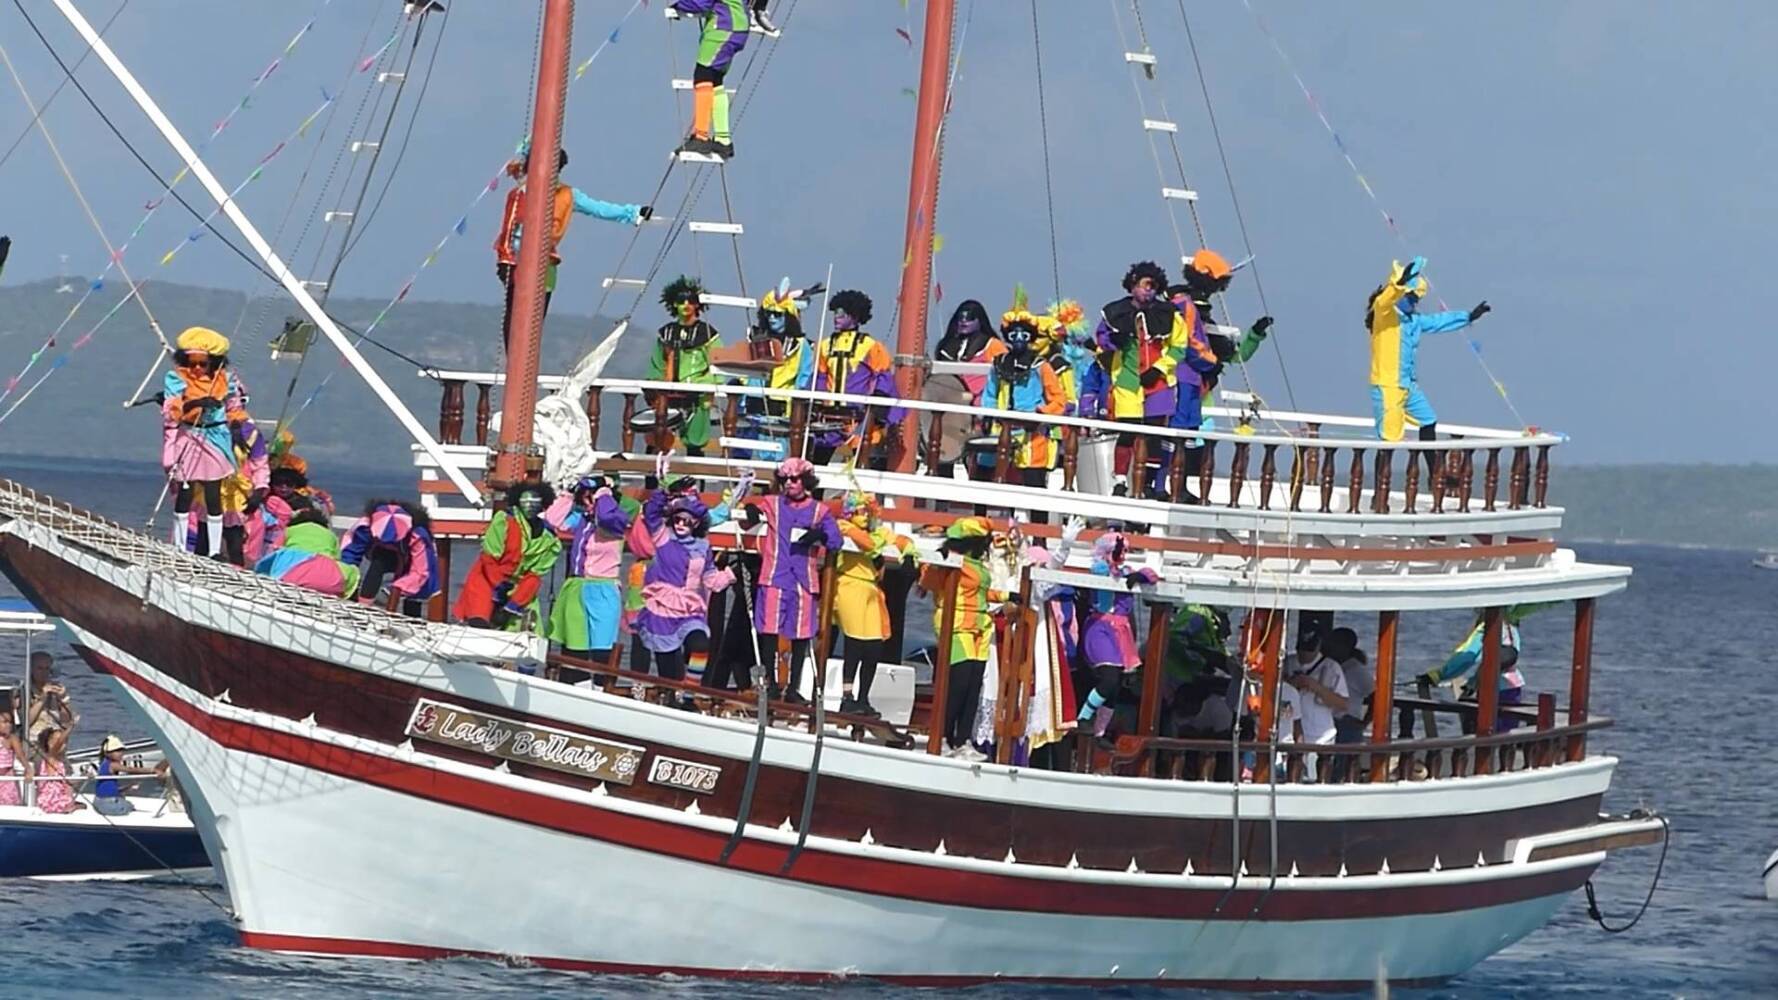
519,402
916,277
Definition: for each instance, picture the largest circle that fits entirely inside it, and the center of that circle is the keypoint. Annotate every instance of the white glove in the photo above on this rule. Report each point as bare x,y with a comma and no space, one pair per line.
671,12
1072,528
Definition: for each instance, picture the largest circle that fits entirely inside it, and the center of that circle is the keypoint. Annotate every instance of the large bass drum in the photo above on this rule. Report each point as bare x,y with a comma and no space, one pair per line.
957,428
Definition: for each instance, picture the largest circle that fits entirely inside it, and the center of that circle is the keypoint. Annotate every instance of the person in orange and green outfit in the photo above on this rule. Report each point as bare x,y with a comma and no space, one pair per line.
567,201
504,587
972,626
722,34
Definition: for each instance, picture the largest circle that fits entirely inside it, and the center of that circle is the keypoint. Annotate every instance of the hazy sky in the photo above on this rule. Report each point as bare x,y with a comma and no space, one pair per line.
1599,171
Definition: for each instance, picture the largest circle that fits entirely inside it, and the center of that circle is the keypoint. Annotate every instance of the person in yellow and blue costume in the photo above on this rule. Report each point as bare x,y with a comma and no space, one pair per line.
1395,327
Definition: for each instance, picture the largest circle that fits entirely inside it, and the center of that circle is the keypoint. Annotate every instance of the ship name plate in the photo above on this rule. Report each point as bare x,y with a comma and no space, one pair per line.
524,742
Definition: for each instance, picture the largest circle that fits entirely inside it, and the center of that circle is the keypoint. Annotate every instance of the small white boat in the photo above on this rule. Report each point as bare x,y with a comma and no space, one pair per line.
1772,876
1766,560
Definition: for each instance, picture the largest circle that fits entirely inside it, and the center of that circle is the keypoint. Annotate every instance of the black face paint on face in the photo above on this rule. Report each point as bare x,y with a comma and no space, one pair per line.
531,503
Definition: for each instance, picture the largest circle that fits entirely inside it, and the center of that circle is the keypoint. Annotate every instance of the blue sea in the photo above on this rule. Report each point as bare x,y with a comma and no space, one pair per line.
1685,664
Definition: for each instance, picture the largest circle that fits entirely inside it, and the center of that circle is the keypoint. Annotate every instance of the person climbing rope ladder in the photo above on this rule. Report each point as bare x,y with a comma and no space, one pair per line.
723,26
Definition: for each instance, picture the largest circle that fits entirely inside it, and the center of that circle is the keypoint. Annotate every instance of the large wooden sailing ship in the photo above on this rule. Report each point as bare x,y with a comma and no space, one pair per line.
376,785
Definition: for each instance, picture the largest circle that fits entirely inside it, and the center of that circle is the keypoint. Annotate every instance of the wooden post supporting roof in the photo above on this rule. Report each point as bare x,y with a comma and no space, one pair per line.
1383,701
1265,638
1153,655
1581,679
1488,686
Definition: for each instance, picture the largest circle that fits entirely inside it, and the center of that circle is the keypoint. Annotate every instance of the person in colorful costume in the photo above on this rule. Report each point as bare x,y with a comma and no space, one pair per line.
682,571
860,604
682,354
969,337
585,615
972,625
310,558
1460,668
1020,380
1068,347
1108,643
1142,339
1207,275
393,543
201,400
265,527
853,362
294,489
245,492
504,586
1396,327
722,34
566,202
780,323
800,531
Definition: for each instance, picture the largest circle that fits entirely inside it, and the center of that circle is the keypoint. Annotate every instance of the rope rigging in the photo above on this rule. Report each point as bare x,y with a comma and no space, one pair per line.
61,85
1043,121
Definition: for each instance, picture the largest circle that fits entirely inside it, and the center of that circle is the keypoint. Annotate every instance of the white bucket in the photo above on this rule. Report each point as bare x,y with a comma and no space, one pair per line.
1094,464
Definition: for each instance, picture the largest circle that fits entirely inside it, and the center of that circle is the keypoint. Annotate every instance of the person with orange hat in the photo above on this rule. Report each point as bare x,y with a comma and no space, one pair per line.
1207,274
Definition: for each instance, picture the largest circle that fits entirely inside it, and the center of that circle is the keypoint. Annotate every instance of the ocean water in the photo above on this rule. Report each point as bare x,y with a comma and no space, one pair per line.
1685,664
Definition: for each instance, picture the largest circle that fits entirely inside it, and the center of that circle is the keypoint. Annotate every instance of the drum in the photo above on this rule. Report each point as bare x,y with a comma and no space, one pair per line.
1096,464
957,428
643,422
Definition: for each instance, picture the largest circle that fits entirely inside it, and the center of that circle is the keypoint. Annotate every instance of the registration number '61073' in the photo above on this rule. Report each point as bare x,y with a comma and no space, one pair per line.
687,774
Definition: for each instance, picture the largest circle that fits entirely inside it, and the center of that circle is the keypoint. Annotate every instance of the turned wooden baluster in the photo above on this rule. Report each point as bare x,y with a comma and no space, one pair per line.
1176,471
1070,456
1491,480
1139,466
1410,484
1268,476
799,427
1355,481
1447,465
1516,489
1543,475
450,413
1206,472
935,433
1003,454
1327,478
1380,489
1466,479
483,413
626,436
1305,468
731,420
593,399
1238,473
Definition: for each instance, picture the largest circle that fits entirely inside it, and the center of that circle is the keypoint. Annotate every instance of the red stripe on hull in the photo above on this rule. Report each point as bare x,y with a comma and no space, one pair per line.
353,948
870,876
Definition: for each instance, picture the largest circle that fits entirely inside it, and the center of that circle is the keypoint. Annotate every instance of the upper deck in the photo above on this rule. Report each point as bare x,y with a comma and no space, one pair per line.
1292,509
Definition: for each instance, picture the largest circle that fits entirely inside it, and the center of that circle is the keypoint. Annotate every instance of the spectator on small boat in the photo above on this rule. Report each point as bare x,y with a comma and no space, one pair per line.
108,798
972,627
585,615
1108,643
853,362
54,795
565,203
681,353
310,558
392,544
1142,340
12,753
800,532
50,707
1395,326
505,585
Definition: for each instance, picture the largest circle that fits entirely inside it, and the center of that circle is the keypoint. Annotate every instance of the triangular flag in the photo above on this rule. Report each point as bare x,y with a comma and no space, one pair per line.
938,242
938,291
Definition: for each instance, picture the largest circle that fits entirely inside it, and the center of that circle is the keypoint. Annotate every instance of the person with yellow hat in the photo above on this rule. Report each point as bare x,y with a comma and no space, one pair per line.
1019,379
972,626
200,397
